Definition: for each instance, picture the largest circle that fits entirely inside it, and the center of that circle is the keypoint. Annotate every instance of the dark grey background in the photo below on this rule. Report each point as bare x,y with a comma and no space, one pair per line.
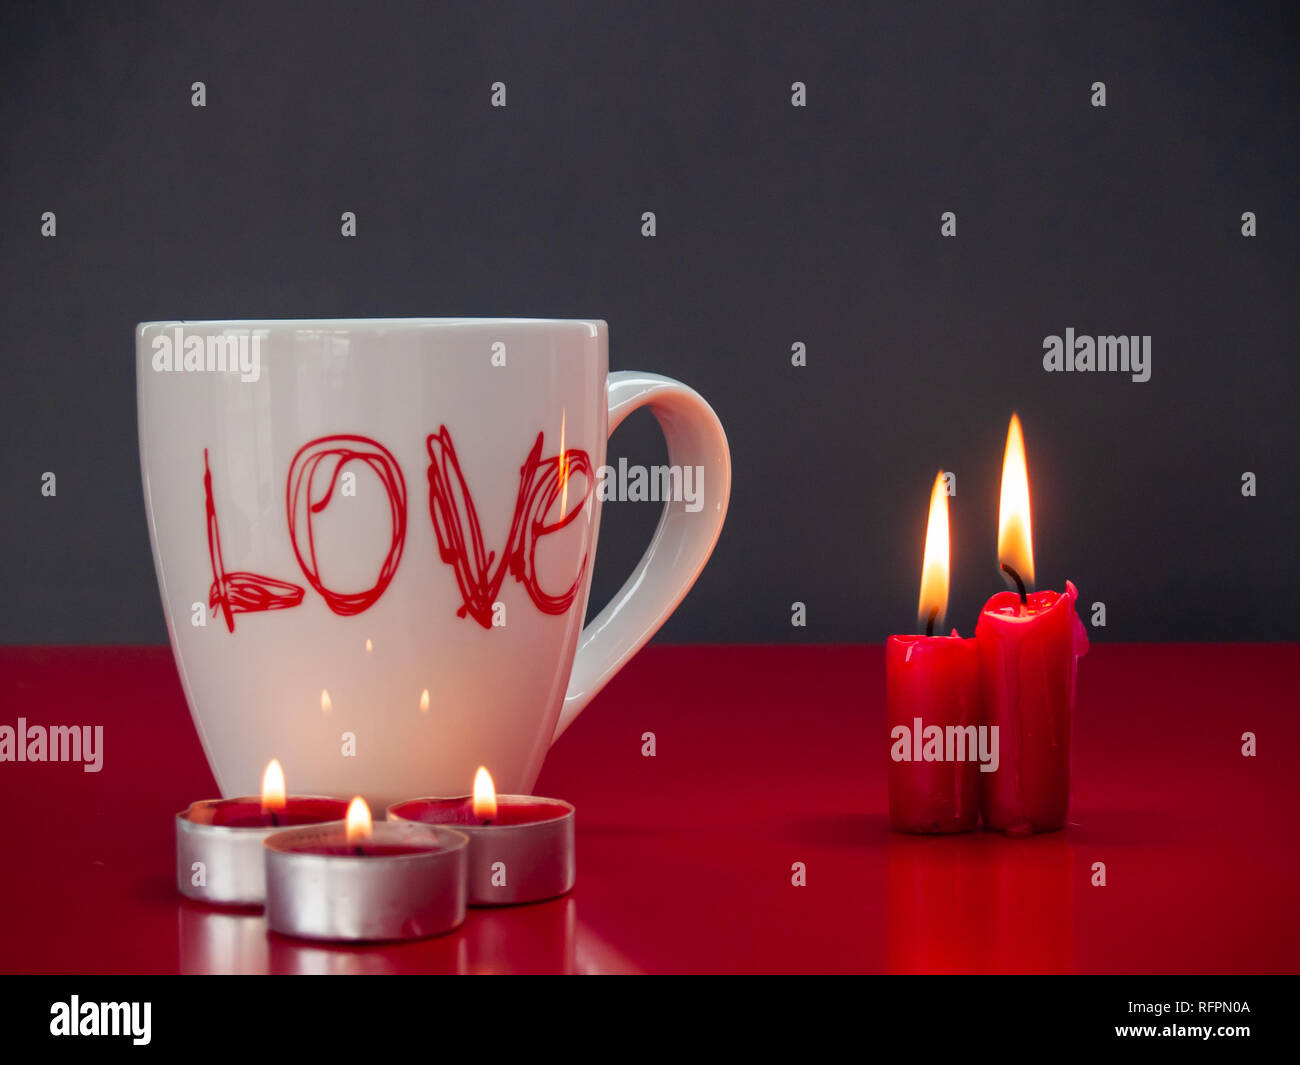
776,224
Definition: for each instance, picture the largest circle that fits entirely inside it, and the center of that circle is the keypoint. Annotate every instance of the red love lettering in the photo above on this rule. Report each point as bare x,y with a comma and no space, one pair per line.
298,489
549,481
240,593
460,536
479,573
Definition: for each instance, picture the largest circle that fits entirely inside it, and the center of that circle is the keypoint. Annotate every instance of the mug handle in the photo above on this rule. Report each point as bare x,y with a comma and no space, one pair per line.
681,544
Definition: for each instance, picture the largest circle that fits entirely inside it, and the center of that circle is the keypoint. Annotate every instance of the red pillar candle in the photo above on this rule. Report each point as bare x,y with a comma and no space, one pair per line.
1029,647
932,689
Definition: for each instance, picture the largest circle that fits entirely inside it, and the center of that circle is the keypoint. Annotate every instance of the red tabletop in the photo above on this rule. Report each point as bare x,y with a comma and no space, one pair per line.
766,756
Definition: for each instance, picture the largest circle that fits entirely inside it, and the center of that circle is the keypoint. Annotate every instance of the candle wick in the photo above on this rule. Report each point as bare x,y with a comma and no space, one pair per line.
929,622
1020,585
487,821
358,850
275,819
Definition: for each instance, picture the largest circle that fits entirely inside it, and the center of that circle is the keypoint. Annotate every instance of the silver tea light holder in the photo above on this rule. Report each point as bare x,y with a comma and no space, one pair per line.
404,881
219,857
521,847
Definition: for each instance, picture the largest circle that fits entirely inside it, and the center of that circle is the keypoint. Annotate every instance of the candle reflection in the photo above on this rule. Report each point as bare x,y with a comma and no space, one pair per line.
221,942
981,904
296,957
527,939
543,938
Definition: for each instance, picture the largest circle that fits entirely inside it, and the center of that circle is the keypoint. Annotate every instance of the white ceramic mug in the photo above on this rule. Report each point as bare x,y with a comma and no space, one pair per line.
374,560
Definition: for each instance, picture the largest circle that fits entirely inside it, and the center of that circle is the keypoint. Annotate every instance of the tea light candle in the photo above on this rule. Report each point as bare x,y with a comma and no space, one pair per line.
219,841
365,882
520,846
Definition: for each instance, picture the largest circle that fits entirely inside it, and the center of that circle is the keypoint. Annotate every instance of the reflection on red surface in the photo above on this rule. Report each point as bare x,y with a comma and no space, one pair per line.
937,917
1033,905
789,745
304,957
214,940
524,939
981,904
543,938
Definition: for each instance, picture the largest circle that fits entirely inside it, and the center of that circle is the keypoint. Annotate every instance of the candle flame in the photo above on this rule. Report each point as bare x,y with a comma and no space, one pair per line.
325,705
1015,538
485,795
358,823
424,700
934,570
273,790
369,647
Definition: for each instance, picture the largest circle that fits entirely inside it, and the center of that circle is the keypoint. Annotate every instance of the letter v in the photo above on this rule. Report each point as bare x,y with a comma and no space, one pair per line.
460,536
